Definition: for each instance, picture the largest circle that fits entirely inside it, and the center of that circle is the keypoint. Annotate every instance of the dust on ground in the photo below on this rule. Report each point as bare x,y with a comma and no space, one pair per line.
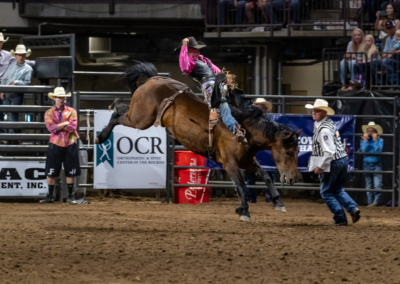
120,241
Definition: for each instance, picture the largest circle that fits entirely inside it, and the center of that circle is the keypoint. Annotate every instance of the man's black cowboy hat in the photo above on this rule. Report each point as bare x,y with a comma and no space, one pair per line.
193,43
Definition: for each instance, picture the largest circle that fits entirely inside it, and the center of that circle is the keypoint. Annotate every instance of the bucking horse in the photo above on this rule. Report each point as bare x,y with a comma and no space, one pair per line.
163,101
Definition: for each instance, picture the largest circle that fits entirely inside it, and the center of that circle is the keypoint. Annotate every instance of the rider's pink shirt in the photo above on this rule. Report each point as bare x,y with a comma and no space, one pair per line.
187,62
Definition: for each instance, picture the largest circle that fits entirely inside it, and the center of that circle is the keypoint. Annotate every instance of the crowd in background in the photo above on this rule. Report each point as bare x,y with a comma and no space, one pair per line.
377,58
257,11
16,70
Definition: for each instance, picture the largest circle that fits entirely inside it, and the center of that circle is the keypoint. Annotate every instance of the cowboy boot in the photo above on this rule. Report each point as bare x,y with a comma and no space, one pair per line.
240,134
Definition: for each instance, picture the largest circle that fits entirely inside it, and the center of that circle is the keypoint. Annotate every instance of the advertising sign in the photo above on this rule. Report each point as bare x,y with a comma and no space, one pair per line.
130,158
23,178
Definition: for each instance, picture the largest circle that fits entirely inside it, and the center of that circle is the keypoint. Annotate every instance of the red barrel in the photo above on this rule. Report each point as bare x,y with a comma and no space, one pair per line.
191,195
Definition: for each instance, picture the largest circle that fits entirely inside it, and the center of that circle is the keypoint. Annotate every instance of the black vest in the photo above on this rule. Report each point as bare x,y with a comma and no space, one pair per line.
201,70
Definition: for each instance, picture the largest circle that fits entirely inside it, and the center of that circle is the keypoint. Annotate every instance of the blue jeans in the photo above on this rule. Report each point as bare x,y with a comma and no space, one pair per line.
227,117
343,70
224,6
252,192
13,99
392,66
272,7
332,191
376,66
373,181
240,8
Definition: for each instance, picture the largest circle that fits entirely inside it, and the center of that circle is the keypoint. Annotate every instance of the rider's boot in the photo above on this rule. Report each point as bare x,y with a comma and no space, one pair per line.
240,134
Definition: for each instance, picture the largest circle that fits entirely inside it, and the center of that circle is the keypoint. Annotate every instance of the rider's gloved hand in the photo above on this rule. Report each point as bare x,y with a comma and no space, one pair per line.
185,41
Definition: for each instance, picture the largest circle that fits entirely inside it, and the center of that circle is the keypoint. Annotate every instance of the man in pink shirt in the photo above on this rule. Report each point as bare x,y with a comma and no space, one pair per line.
61,121
209,79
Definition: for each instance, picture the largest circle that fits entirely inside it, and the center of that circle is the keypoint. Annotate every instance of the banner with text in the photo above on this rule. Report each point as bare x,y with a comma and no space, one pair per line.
23,178
345,124
130,158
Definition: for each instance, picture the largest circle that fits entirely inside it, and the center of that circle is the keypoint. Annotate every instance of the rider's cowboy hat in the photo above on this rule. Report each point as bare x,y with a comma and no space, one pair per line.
21,49
263,103
372,124
2,38
59,92
321,104
193,43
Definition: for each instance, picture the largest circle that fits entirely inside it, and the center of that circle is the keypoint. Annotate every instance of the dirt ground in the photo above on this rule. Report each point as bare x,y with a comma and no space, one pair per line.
121,241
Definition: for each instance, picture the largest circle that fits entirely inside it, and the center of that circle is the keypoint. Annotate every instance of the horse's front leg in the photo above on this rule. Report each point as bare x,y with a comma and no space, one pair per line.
276,198
234,172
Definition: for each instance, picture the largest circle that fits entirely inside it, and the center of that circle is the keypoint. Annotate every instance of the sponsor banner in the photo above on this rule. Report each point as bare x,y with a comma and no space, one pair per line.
130,158
23,178
344,123
191,195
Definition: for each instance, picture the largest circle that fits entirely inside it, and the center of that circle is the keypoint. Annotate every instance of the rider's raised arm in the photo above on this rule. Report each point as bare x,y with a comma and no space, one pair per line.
185,62
213,67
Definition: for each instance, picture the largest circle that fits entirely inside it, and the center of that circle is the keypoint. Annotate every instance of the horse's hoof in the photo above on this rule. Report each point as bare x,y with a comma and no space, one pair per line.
96,141
280,208
245,219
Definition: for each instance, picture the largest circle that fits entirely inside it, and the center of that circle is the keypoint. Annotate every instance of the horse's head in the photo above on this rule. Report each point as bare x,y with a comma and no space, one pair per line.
285,151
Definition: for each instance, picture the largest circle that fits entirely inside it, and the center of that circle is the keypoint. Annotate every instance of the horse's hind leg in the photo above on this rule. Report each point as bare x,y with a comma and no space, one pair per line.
276,198
234,172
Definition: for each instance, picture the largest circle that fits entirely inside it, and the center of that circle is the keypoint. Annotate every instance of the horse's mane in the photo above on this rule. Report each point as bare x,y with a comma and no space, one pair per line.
256,116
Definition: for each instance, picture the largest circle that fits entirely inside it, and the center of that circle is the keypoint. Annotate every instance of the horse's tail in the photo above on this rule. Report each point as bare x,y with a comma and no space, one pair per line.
138,73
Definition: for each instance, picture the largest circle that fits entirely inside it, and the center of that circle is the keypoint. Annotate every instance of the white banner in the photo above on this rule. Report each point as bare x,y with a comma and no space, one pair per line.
23,178
130,158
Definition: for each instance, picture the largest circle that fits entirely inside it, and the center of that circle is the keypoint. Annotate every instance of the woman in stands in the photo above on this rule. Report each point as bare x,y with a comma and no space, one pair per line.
362,70
381,19
350,59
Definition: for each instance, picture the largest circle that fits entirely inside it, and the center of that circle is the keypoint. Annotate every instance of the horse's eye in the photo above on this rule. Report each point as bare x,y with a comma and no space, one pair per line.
289,153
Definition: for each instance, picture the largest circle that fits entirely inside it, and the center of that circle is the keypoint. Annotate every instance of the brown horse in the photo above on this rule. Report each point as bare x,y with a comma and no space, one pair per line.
187,120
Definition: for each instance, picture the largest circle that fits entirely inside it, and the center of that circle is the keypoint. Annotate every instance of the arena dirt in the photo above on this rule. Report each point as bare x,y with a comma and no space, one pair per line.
120,241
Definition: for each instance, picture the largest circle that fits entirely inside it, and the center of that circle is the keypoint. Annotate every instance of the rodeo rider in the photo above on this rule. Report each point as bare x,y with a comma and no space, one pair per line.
327,144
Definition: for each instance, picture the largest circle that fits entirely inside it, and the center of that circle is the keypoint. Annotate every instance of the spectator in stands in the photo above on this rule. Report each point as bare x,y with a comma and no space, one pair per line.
371,143
369,7
18,73
272,8
382,19
61,121
250,7
361,70
226,5
376,63
251,176
349,61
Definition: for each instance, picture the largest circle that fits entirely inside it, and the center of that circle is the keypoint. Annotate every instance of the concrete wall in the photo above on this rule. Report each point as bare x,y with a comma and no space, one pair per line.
9,17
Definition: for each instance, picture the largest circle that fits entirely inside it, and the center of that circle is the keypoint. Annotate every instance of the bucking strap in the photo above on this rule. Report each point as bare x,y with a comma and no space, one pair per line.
165,104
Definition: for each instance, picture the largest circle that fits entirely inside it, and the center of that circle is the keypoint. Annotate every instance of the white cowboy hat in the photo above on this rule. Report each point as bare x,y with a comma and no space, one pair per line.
2,38
372,124
321,104
59,92
263,103
21,49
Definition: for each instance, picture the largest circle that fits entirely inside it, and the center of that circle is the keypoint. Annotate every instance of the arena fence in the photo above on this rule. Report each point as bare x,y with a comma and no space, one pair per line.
285,101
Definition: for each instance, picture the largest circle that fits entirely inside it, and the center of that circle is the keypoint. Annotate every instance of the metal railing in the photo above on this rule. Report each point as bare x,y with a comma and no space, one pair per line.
338,64
270,16
282,100
385,71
